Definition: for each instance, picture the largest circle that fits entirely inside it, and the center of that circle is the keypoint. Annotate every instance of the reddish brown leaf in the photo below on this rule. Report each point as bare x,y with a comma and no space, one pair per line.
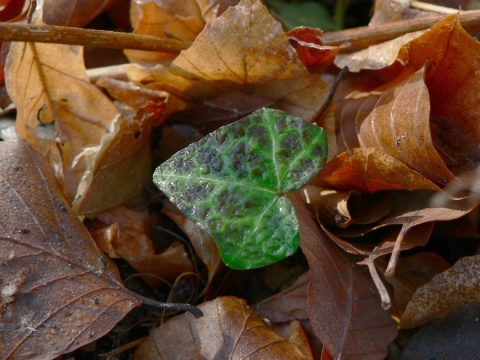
399,126
343,306
314,55
370,170
57,290
228,330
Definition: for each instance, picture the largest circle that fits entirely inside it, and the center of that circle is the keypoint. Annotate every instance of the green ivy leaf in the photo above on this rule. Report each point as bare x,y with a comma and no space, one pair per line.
231,183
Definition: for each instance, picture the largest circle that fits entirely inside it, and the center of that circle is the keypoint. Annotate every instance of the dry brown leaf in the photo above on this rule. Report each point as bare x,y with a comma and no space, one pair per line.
245,49
370,170
73,12
124,152
123,233
308,43
343,306
202,241
181,19
228,330
399,126
166,266
412,272
287,305
58,291
347,208
55,100
447,291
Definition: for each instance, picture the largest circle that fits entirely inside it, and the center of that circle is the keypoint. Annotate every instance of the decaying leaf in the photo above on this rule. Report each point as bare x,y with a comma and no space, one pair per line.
56,101
202,241
289,304
245,49
444,293
181,19
228,330
370,170
58,292
343,306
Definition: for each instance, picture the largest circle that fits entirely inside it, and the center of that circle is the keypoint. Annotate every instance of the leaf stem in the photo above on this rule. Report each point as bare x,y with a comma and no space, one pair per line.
88,37
167,306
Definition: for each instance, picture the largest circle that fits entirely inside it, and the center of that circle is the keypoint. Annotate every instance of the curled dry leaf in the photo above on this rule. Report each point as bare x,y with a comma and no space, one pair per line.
347,208
121,153
308,43
58,291
55,100
245,49
399,126
370,170
343,306
229,329
444,293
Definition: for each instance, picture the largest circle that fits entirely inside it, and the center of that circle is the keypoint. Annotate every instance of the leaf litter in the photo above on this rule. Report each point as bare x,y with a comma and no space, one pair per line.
406,126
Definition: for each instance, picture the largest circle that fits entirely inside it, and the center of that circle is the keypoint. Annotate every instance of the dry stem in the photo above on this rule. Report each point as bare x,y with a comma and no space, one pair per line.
359,38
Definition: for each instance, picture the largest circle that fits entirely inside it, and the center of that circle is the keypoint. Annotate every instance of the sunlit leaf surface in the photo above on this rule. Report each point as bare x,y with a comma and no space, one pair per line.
231,183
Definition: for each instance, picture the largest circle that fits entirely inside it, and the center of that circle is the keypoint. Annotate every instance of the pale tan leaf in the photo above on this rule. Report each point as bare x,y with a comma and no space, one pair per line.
55,100
245,49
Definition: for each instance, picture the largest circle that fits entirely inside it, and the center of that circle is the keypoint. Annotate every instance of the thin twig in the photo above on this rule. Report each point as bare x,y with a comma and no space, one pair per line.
363,37
432,7
359,38
88,37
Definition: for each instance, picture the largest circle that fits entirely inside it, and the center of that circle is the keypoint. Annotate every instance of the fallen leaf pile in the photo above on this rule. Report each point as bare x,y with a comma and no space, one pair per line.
388,227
